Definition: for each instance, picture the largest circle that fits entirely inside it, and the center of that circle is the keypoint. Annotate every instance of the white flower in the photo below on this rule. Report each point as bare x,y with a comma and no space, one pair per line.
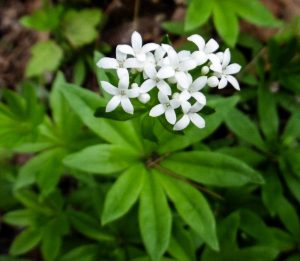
156,78
180,64
113,63
166,107
205,50
194,88
121,93
190,115
137,50
223,70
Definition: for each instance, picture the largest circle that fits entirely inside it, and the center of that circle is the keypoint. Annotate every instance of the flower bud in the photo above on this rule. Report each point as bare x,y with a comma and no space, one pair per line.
213,81
205,70
144,97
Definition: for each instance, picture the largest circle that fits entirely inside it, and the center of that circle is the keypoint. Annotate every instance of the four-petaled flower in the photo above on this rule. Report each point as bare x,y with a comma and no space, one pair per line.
121,93
190,115
166,107
223,70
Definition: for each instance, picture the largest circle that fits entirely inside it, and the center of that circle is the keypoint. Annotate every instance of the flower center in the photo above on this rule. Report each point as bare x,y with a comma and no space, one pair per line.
122,92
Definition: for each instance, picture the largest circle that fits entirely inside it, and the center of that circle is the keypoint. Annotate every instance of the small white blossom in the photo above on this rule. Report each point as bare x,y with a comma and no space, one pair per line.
205,50
121,93
113,63
156,78
223,70
190,115
166,106
160,70
137,49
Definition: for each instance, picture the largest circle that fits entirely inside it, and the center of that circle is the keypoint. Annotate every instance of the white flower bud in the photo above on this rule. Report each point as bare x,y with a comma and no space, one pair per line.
213,81
144,98
134,85
205,70
172,80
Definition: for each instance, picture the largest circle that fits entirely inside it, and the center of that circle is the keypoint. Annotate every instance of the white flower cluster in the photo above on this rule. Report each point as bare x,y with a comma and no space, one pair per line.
167,76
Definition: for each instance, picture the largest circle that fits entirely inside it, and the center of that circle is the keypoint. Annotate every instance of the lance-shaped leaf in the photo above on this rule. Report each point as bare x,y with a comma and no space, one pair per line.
84,103
123,193
101,159
212,168
193,208
154,217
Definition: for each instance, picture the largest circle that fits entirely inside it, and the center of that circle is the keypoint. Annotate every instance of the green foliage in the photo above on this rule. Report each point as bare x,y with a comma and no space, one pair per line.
225,16
77,183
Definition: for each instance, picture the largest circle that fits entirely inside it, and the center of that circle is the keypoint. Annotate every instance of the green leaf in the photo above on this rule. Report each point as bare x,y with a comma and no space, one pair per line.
82,253
289,217
101,159
123,193
212,168
79,27
174,27
193,208
25,241
255,12
227,231
244,128
88,226
226,22
267,110
198,13
46,19
19,218
51,242
47,51
118,114
84,103
291,130
155,219
79,72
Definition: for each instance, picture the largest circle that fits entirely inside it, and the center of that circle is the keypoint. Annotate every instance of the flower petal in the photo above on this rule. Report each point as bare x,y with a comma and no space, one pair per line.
126,49
199,83
108,63
200,57
133,93
133,63
123,78
196,107
216,66
199,97
126,105
157,110
187,65
198,40
165,72
149,47
164,87
113,103
211,46
222,83
147,85
136,41
184,55
170,116
173,57
109,88
163,98
197,120
182,123
226,58
233,82
150,70
232,68
182,80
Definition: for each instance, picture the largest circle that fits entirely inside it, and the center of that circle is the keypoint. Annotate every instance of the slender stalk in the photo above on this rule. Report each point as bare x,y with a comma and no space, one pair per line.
137,5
